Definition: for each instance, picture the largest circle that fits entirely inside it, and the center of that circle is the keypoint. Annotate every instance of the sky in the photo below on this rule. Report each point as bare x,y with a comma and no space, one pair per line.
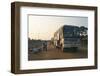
43,27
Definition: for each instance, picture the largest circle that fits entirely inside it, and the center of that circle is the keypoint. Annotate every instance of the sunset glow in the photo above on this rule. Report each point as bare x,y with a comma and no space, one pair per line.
44,27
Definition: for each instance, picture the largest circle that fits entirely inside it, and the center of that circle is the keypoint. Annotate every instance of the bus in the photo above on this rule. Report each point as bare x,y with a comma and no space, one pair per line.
68,36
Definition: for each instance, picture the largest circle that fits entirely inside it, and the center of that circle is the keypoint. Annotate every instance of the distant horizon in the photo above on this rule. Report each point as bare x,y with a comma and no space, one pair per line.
43,27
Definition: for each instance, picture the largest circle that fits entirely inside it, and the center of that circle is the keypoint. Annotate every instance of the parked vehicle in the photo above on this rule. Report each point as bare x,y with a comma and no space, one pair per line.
67,36
35,50
35,46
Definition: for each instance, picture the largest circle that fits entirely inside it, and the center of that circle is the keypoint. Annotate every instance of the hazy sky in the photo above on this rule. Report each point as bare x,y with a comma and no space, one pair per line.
43,27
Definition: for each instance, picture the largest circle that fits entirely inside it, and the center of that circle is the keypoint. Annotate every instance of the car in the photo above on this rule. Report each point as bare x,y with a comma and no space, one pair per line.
36,50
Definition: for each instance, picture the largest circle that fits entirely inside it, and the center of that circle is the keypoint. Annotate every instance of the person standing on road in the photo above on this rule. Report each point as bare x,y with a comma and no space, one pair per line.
45,46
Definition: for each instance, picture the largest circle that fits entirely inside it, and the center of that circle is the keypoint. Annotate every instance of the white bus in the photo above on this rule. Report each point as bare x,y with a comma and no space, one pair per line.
67,36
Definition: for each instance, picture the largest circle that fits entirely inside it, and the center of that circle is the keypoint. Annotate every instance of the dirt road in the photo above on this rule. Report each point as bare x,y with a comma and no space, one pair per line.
54,53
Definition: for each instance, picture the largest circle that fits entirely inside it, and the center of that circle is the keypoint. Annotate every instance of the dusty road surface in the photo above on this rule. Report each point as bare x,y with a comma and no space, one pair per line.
54,53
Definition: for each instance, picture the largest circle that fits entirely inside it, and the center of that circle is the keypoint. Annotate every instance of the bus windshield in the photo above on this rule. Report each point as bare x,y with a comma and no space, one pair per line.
71,31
